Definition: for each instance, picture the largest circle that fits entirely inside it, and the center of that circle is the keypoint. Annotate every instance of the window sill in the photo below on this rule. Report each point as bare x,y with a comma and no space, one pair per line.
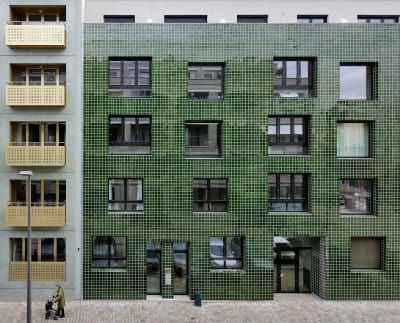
192,157
356,100
289,213
355,216
239,271
135,155
354,158
109,270
366,271
125,212
210,213
283,155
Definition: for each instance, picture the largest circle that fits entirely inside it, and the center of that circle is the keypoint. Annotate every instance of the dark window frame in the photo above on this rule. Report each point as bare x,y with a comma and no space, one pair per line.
291,143
209,201
190,19
311,67
250,17
126,201
116,18
219,137
135,86
370,134
129,143
311,17
372,193
223,68
371,88
381,17
224,257
382,253
109,258
304,200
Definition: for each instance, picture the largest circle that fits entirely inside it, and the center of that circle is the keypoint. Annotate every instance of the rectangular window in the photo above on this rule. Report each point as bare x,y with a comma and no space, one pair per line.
119,19
357,81
203,139
356,196
209,195
288,192
353,139
287,135
226,252
185,19
206,81
125,195
43,193
293,78
252,19
129,77
312,19
109,252
378,19
367,253
129,135
43,249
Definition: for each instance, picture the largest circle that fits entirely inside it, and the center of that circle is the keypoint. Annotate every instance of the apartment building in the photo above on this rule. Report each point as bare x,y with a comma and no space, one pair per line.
240,149
40,130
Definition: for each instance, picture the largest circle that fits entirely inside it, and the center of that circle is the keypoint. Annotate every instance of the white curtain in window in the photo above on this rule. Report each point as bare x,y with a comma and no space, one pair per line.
353,140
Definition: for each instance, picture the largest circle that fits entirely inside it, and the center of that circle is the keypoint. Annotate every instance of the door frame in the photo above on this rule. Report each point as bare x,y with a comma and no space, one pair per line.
186,252
159,254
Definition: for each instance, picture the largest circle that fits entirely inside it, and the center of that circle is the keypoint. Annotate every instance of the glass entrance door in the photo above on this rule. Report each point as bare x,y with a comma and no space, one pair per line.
153,269
180,269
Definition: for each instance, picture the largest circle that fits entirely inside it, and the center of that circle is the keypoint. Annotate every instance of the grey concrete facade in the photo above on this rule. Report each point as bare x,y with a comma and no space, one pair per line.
71,172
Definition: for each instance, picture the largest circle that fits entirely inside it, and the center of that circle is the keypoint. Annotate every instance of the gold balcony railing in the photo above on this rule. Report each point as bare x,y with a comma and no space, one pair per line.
22,154
41,271
25,35
46,214
35,95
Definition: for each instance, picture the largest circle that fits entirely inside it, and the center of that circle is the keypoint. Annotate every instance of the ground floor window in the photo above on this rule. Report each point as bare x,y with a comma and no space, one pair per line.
109,252
367,253
226,252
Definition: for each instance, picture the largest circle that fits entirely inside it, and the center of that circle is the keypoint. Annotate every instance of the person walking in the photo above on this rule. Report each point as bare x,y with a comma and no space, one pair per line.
60,300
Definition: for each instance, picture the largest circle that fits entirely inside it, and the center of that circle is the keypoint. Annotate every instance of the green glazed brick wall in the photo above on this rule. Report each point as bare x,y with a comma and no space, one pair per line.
247,51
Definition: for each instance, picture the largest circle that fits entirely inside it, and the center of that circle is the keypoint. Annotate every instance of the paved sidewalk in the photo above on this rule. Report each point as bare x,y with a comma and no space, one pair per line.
285,308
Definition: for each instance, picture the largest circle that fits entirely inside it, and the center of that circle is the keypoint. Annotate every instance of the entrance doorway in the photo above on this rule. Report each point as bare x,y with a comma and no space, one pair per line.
292,266
180,268
153,268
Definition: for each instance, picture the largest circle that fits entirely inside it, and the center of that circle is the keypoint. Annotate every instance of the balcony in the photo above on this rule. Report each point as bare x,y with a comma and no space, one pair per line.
41,271
43,214
35,95
25,35
19,154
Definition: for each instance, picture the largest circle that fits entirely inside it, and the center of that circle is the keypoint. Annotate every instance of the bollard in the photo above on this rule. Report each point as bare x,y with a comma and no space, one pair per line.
197,298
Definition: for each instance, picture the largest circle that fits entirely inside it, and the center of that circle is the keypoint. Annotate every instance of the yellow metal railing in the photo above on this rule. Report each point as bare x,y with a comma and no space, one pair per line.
35,95
43,214
40,36
20,155
41,271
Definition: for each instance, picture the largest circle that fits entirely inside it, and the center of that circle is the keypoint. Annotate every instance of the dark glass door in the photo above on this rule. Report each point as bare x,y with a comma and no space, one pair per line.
180,269
153,269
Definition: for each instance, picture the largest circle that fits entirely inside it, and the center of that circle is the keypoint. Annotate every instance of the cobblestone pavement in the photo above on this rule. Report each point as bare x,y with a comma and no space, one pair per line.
285,308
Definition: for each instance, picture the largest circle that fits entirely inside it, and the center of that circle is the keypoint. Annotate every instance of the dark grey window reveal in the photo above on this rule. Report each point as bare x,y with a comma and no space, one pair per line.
226,252
109,252
129,77
203,139
206,81
356,196
209,195
129,135
125,195
119,19
185,19
378,19
288,192
356,81
293,78
287,135
367,253
312,19
252,19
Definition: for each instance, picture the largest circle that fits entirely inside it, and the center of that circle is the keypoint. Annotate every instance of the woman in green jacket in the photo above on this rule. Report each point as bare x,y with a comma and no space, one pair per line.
60,300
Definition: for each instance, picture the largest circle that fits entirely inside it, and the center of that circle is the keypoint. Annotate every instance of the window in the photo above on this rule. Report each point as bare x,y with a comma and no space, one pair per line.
209,195
119,19
226,252
129,135
312,19
287,135
353,139
252,19
203,139
356,196
42,249
129,77
43,192
206,81
293,78
356,81
32,75
109,252
376,19
125,195
38,15
367,253
288,192
184,19
38,134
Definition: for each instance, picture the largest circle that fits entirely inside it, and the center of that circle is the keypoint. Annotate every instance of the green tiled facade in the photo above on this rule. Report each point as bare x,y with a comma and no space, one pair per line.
248,52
